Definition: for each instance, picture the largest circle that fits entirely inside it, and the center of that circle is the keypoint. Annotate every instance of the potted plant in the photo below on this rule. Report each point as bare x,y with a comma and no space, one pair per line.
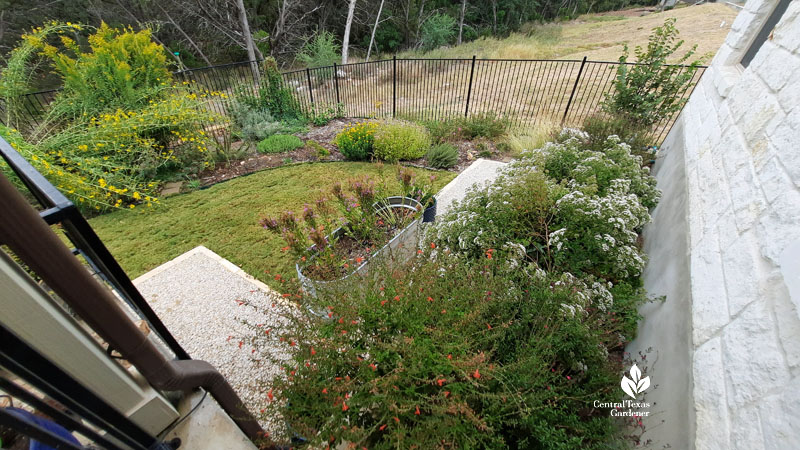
335,238
421,190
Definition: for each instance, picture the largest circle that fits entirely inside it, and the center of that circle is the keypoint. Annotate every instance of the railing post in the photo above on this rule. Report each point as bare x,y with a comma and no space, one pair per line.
394,86
310,94
336,82
469,89
574,88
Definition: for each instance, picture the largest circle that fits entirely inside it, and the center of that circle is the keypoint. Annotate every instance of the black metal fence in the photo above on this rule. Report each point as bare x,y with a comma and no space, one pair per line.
525,92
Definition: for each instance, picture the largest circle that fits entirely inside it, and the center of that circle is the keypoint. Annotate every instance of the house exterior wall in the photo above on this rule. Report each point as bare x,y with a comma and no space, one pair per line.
738,141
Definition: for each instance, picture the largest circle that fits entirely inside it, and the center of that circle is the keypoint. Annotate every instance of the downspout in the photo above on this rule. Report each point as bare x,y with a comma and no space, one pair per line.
32,240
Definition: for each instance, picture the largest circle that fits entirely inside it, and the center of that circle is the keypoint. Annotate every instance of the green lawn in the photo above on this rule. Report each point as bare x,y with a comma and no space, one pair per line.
225,217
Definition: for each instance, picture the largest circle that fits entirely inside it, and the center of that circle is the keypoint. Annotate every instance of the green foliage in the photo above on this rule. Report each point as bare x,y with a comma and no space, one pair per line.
321,50
442,156
396,140
438,30
121,69
279,143
486,125
575,159
275,97
356,141
254,124
111,152
600,127
322,152
481,125
321,116
652,90
452,353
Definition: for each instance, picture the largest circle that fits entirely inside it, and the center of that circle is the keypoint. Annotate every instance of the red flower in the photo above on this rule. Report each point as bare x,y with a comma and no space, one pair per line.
345,407
313,352
383,302
430,299
396,419
441,381
488,326
267,331
419,252
396,298
449,356
291,343
382,427
433,245
270,396
359,259
447,393
374,367
240,344
416,411
477,374
444,311
324,390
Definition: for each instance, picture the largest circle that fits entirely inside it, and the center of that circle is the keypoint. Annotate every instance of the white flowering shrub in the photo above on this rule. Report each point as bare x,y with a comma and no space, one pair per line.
596,234
570,161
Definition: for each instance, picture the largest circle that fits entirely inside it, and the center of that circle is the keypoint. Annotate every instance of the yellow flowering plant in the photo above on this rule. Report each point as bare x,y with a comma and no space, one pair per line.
355,142
120,124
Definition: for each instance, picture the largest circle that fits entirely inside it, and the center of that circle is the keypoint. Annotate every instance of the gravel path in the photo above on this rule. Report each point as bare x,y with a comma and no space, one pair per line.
207,303
481,171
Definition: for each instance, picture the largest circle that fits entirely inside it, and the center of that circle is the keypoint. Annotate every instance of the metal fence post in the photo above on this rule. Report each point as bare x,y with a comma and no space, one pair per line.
394,86
310,94
336,82
574,88
469,89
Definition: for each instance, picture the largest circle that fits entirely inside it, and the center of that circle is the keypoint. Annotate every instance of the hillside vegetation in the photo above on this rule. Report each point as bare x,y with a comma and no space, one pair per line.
598,36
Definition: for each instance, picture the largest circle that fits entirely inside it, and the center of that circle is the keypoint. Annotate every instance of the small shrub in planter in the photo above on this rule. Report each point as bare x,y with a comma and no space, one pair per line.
396,140
442,156
279,143
356,141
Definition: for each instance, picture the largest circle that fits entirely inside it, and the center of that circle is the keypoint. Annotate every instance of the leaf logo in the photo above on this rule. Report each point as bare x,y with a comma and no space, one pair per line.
635,384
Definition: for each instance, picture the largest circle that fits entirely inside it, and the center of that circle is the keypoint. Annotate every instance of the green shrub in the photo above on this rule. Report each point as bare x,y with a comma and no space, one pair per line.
119,125
442,156
652,90
397,140
322,152
444,130
275,97
253,124
321,50
451,353
437,30
278,143
600,127
486,125
356,141
574,159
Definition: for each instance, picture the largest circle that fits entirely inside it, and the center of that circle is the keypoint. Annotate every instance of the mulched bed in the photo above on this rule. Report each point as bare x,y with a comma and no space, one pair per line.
469,151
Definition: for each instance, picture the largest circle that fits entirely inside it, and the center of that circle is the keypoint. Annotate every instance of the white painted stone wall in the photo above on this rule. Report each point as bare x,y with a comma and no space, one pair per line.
739,143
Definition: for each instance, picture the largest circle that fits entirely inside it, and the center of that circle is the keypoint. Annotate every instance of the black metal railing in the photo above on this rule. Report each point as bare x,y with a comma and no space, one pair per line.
523,91
57,209
33,380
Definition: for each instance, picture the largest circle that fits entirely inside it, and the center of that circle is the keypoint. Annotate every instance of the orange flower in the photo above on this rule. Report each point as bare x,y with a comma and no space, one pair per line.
416,411
313,352
447,393
324,390
441,381
430,299
345,407
359,259
270,396
433,245
477,374
382,427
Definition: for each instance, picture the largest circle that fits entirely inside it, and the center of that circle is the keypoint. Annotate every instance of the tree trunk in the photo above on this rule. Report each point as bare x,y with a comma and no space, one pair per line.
248,37
346,39
461,20
374,28
494,17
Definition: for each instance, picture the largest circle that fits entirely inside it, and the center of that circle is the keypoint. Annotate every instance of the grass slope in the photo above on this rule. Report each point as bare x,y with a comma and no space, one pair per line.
225,217
598,36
